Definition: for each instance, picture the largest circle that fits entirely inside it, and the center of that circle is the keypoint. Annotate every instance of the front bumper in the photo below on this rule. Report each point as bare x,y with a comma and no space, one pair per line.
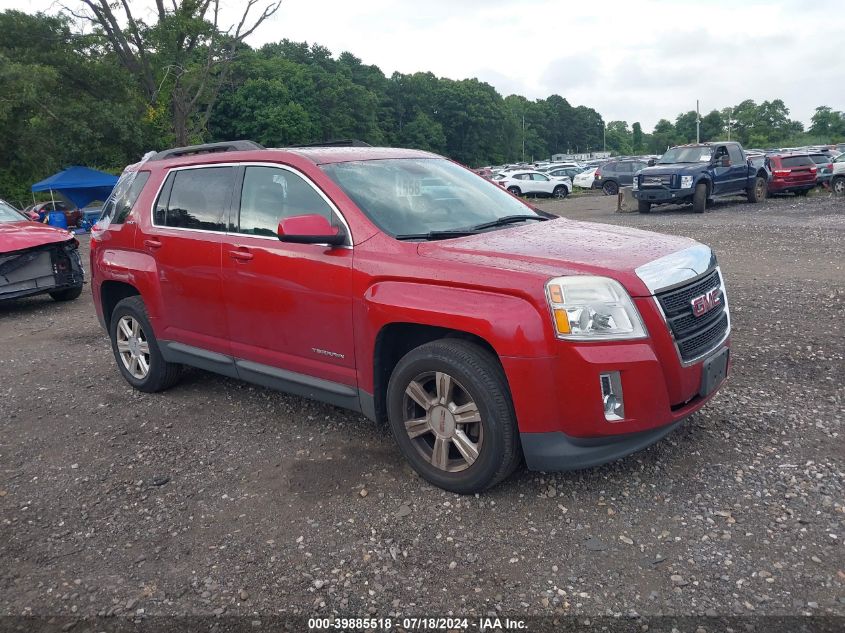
557,451
659,195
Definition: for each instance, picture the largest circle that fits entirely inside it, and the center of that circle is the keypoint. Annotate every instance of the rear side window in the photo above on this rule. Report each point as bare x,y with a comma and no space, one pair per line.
196,199
623,168
124,196
796,161
735,155
820,159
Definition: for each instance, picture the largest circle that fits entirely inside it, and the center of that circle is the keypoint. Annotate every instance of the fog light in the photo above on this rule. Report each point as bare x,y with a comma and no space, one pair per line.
611,395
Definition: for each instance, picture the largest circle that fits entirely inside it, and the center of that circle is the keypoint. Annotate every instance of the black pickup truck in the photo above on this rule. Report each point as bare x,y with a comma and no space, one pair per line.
700,173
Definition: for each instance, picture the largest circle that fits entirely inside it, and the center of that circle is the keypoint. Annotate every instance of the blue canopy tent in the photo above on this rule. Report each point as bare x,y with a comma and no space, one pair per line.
80,185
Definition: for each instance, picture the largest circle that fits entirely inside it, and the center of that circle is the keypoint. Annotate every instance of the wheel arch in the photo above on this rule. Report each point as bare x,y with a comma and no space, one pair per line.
113,292
396,339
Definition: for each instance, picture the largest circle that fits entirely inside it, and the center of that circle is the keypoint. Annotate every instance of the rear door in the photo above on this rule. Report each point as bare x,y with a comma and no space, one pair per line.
541,183
739,170
289,306
624,173
185,239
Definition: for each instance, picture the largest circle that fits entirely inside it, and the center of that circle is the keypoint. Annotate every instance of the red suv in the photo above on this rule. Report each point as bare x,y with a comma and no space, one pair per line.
795,173
401,285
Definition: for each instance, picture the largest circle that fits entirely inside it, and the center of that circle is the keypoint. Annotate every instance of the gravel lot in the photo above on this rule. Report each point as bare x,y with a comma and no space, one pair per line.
219,498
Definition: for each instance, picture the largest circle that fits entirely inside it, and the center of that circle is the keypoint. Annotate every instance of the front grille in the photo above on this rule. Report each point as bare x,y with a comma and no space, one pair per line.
695,335
656,181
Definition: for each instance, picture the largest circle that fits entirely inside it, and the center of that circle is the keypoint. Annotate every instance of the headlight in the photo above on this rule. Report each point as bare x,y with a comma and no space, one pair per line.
590,308
636,184
686,182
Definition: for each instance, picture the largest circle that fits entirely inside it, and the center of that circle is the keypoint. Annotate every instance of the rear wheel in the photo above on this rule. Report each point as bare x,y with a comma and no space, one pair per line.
515,191
451,414
68,294
757,193
643,206
699,198
136,350
610,188
560,191
838,185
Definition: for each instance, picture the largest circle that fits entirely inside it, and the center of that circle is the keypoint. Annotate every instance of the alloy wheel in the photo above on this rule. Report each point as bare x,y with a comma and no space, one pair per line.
133,347
443,421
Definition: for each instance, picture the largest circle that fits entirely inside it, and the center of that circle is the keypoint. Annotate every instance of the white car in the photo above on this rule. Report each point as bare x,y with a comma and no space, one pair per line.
532,182
837,176
585,178
552,166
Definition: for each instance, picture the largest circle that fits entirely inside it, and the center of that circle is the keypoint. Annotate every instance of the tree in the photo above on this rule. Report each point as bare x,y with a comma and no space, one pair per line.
182,59
828,124
712,126
618,137
637,138
685,127
663,137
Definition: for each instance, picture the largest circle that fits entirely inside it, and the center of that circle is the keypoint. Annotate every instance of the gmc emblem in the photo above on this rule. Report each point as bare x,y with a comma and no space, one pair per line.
706,302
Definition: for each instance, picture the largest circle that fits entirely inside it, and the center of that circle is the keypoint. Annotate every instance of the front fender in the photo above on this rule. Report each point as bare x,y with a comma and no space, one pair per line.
512,325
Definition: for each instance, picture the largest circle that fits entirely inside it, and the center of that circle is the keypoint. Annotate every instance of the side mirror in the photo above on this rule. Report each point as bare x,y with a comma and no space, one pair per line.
310,229
651,162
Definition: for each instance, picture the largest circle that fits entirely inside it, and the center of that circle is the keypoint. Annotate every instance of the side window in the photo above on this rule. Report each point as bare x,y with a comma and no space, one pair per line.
123,198
720,153
270,194
539,177
735,155
610,168
198,198
623,168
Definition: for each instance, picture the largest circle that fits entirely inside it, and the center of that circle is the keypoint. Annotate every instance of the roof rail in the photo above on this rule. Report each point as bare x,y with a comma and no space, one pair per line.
343,142
208,148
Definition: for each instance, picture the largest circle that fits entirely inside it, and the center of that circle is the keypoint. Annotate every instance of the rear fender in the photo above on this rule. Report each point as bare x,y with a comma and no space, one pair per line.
137,269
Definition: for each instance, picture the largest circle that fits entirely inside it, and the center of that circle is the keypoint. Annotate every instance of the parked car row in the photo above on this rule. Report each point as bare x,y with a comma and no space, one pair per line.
532,182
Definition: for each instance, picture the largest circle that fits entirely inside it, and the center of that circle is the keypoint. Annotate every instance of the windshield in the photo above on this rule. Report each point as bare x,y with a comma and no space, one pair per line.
9,213
419,195
685,155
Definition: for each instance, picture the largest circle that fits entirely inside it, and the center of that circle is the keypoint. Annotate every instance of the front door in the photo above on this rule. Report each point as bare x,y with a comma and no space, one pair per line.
289,306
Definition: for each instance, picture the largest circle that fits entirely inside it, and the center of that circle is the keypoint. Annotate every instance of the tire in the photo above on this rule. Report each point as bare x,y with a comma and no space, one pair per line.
515,191
159,374
699,198
610,188
759,191
560,192
643,206
475,381
68,294
837,185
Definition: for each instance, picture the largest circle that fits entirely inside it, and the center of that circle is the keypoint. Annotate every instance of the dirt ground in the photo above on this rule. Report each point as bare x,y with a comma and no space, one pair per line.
219,498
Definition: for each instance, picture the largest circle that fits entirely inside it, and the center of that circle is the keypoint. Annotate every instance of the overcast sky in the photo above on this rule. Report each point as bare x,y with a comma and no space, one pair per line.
630,60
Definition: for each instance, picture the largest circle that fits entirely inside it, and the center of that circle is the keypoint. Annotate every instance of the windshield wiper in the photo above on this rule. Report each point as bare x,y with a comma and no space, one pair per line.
436,235
508,219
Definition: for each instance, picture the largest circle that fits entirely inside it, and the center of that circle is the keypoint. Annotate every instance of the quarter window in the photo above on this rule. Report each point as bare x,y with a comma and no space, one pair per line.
270,194
126,192
198,198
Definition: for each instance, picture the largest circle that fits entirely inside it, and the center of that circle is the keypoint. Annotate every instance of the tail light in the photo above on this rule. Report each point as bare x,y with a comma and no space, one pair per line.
813,170
597,175
829,166
781,173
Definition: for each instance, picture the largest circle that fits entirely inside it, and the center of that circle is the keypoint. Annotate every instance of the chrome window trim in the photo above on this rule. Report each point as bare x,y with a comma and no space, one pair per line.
676,269
293,170
718,345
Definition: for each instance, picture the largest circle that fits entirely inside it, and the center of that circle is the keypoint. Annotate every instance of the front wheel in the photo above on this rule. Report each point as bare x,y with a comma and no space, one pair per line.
450,411
699,198
560,191
757,193
610,188
68,294
136,350
837,185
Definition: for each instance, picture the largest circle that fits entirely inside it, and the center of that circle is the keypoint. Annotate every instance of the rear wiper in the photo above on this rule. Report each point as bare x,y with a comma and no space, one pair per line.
436,235
508,219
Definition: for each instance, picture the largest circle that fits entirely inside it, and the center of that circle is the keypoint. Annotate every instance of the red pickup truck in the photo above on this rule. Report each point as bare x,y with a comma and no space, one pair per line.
401,285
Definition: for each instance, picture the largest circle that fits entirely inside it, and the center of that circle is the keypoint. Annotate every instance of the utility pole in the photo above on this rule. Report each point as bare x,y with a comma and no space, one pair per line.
604,135
730,116
697,123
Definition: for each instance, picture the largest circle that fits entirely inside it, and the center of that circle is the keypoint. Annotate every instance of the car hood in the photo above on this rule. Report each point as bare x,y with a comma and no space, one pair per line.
563,247
18,236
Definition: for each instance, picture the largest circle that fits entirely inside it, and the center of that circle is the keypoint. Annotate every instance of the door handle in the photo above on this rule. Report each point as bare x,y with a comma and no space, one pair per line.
152,244
241,254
